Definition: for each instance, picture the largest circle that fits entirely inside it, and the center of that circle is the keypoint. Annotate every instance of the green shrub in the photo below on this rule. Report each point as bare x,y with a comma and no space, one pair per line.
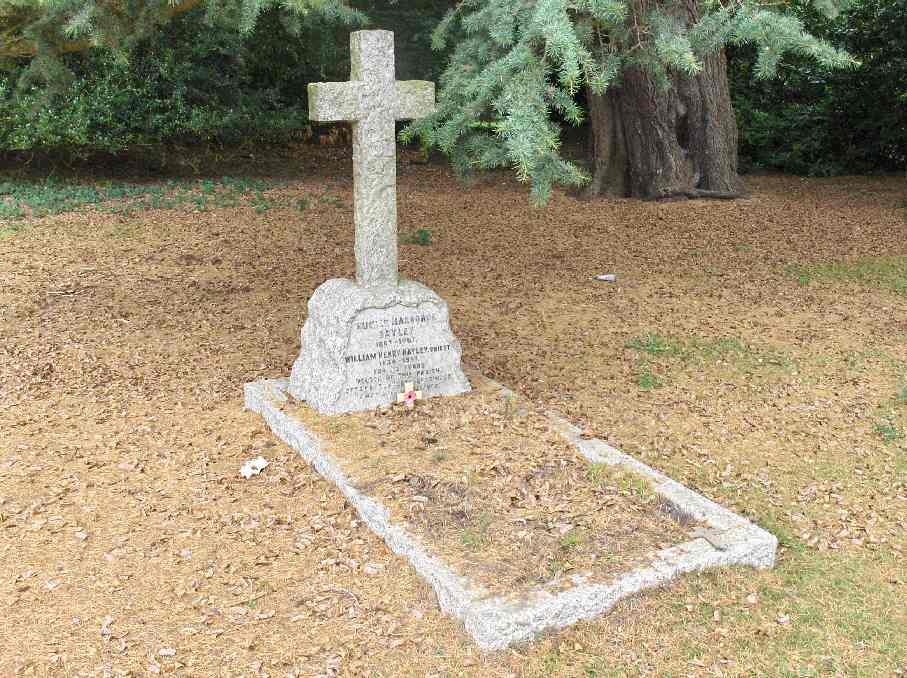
814,122
190,83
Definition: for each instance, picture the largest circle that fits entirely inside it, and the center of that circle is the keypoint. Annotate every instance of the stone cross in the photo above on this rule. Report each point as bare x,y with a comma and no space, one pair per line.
373,100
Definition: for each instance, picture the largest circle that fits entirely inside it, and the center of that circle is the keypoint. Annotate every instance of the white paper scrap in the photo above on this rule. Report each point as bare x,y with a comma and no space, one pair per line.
253,467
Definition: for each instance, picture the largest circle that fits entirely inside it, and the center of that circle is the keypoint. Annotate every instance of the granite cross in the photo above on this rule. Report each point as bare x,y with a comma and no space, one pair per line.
373,100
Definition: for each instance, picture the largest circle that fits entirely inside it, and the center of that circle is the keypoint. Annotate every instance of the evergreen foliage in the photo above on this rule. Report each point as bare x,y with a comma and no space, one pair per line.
41,31
190,82
229,70
810,121
516,66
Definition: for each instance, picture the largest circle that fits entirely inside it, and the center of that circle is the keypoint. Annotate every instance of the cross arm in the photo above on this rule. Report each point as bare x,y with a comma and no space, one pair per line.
334,101
414,99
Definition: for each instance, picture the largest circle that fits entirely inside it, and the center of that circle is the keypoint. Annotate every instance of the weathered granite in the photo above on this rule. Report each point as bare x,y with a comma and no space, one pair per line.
495,622
363,341
360,345
372,101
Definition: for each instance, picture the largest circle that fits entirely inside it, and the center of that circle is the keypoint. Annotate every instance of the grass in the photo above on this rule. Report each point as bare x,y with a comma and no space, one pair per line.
648,381
810,618
704,350
626,480
889,430
39,199
477,534
20,200
10,230
655,345
570,540
888,273
874,358
333,201
421,237
816,614
556,567
471,537
652,347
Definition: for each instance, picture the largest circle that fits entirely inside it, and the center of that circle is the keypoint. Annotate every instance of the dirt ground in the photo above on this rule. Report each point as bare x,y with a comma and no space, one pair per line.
755,350
494,492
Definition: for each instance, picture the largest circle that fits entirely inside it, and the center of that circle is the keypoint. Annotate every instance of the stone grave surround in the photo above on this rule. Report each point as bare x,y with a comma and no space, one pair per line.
364,340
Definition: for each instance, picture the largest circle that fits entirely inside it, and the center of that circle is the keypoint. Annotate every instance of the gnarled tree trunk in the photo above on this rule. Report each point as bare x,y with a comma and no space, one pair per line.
652,143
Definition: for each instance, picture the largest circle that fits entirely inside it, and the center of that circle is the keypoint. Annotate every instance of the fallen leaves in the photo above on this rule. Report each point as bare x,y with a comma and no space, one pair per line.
501,497
120,416
105,627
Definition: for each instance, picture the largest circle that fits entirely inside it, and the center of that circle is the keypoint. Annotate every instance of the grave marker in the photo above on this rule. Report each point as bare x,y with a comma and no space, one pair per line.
364,340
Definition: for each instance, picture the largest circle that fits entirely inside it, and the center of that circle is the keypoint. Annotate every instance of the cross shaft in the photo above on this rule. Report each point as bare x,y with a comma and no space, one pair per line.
373,100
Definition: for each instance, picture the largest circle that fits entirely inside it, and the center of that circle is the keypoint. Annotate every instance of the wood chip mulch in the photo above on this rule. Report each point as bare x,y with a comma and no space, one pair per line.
131,545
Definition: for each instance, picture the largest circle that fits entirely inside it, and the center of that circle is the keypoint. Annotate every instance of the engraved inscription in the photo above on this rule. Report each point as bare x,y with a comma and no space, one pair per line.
389,347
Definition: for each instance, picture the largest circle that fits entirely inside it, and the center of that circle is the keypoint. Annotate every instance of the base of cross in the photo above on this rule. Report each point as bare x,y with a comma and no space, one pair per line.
362,344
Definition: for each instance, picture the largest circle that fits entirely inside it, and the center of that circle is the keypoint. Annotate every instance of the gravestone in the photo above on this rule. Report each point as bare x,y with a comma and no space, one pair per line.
364,340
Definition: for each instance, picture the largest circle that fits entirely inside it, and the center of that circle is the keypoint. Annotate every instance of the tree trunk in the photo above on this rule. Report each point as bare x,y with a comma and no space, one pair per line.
608,150
656,144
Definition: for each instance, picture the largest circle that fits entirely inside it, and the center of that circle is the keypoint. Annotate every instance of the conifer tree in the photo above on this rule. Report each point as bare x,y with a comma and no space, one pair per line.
41,31
654,78
649,75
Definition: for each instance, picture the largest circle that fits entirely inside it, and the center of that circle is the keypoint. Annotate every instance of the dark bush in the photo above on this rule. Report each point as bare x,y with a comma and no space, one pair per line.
192,83
808,121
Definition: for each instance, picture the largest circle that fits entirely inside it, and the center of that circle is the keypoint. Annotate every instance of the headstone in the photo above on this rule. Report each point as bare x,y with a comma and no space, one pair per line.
364,341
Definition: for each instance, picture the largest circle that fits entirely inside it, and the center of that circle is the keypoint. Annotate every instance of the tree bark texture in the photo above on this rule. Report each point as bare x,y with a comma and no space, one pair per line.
654,143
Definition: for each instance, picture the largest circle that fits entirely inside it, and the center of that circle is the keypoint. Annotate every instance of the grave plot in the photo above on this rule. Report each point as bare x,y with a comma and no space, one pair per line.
519,522
492,490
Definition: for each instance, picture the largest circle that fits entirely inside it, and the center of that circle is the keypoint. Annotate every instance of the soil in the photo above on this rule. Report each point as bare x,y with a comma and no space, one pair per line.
126,531
496,493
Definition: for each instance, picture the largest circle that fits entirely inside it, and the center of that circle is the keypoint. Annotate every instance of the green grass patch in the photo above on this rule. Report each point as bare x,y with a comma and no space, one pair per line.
786,538
815,614
333,200
705,350
889,430
39,199
626,480
655,348
571,540
647,381
655,345
20,200
420,237
879,272
9,230
874,359
477,534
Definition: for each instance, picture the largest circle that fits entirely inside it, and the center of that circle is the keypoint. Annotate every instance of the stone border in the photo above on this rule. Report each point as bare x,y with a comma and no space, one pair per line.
497,622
